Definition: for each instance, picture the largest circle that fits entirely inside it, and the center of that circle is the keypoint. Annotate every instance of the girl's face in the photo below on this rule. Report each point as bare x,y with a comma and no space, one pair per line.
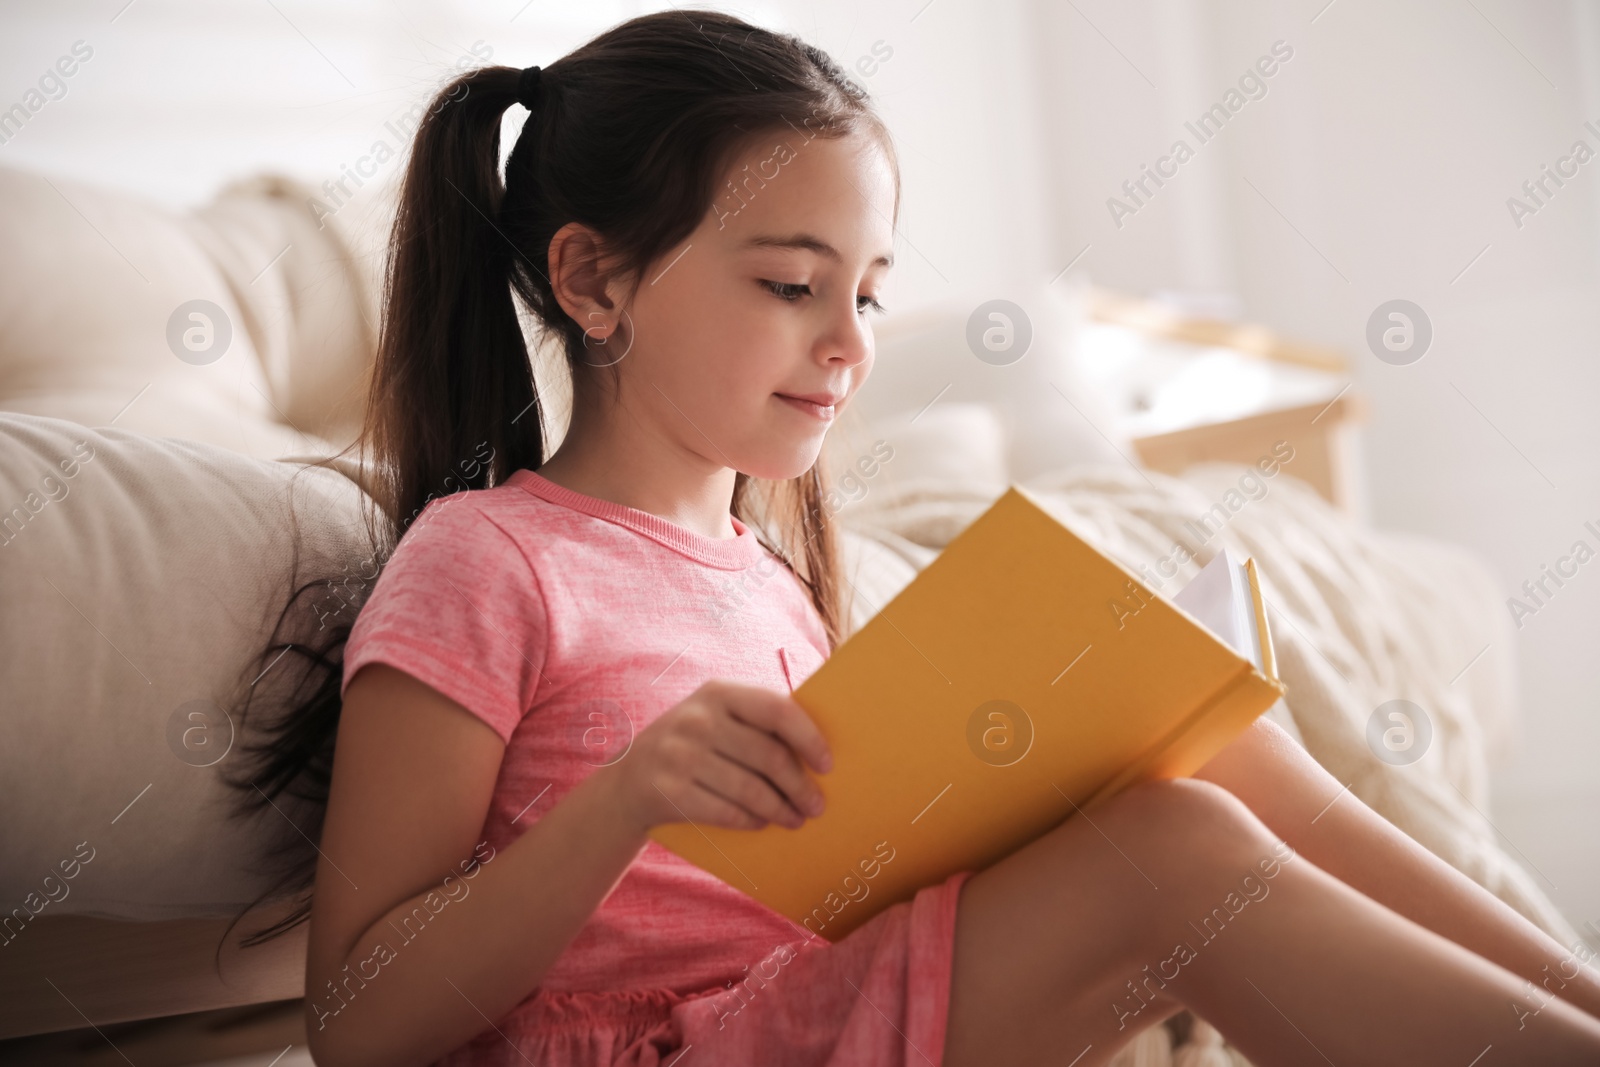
765,302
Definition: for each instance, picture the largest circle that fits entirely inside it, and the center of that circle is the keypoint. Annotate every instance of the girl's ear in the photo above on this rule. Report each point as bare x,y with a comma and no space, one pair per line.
587,289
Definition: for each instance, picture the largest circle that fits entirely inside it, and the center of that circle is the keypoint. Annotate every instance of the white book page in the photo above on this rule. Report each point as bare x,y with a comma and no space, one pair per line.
1219,598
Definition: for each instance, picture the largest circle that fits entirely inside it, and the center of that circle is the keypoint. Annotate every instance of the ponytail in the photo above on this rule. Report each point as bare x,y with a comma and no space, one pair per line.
452,379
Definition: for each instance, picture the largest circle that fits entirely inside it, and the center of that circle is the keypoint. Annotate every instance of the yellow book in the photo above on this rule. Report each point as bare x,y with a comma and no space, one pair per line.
1021,677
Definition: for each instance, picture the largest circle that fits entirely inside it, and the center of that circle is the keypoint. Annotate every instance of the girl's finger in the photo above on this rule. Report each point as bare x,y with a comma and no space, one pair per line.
751,791
781,715
769,756
718,810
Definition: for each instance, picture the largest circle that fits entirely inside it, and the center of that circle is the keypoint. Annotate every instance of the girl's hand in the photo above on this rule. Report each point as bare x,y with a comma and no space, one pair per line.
725,756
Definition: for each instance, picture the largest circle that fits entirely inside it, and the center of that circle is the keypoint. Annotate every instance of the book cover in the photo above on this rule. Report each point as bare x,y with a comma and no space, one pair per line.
1021,677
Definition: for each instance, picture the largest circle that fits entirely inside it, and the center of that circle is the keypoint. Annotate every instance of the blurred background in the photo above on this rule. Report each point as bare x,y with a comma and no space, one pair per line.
1397,151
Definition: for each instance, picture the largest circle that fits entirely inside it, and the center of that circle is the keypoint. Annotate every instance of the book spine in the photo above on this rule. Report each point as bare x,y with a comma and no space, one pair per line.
1269,657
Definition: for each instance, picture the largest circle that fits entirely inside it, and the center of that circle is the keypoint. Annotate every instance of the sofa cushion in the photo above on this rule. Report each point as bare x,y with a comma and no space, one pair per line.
153,570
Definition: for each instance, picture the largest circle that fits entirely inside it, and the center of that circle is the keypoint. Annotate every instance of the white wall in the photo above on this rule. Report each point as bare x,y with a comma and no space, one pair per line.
1378,166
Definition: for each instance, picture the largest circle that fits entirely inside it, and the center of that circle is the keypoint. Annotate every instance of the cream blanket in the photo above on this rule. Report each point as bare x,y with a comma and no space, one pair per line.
1359,617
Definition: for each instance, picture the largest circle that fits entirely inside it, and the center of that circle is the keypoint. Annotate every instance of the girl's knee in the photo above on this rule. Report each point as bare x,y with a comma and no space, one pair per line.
1198,846
1193,820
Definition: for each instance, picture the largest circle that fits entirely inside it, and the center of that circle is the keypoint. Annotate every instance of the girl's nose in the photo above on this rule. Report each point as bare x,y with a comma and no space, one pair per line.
850,338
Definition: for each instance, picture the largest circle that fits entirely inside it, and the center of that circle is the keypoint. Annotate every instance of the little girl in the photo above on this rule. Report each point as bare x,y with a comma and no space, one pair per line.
575,648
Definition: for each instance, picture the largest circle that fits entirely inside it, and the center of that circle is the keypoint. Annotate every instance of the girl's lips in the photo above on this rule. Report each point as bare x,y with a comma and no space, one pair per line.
816,411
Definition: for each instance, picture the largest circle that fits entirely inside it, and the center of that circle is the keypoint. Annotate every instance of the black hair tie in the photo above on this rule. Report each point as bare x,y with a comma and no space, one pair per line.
528,87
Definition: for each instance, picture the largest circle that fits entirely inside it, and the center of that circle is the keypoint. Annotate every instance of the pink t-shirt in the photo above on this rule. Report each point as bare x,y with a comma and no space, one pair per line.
568,624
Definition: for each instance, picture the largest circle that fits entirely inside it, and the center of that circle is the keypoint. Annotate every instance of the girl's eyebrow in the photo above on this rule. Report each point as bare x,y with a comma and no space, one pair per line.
811,244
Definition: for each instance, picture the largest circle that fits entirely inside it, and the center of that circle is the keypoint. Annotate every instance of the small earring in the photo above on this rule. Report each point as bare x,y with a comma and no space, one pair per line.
607,338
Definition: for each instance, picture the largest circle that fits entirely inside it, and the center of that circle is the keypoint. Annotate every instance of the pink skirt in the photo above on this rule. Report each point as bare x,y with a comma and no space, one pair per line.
880,997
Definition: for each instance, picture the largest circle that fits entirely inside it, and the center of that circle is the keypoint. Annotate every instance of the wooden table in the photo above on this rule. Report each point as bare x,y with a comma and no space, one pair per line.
1323,434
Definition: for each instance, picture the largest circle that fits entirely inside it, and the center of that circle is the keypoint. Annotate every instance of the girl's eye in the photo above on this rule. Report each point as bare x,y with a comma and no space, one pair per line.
786,290
790,292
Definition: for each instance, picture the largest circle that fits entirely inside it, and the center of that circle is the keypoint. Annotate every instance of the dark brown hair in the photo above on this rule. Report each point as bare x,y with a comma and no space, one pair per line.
629,135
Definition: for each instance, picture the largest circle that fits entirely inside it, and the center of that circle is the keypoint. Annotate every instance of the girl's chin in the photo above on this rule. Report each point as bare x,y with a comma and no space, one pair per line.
792,465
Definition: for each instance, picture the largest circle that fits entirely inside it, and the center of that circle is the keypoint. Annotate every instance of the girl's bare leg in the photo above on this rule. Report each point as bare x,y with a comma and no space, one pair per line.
1294,966
1306,806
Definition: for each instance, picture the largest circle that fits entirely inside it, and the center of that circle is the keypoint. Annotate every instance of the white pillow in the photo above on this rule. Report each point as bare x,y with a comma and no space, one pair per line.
950,443
1022,364
142,575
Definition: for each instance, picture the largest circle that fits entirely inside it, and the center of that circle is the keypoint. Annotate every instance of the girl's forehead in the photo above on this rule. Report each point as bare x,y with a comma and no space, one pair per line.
830,196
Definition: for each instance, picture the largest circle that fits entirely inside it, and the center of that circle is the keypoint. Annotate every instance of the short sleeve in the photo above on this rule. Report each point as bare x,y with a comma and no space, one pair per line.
458,607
